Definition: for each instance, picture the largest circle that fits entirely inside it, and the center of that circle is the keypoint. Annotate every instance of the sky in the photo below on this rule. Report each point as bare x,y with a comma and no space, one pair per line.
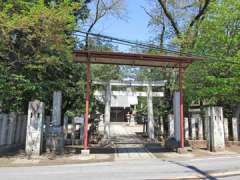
135,27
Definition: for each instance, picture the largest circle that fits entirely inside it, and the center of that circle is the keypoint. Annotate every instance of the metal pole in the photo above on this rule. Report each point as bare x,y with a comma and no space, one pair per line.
181,106
87,106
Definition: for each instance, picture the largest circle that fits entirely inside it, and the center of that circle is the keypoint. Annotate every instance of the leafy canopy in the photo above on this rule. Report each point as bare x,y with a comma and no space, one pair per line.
36,46
217,80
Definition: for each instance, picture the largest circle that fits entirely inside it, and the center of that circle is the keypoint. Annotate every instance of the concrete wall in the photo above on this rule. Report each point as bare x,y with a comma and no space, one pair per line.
12,131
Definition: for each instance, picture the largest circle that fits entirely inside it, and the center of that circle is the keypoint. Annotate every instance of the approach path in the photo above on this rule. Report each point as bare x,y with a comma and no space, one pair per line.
128,143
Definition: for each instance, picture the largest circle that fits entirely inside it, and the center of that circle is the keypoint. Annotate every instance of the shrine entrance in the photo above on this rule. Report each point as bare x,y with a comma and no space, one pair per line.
93,57
122,105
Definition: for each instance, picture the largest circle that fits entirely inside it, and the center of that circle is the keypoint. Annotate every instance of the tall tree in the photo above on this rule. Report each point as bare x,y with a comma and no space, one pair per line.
36,54
101,9
216,80
177,18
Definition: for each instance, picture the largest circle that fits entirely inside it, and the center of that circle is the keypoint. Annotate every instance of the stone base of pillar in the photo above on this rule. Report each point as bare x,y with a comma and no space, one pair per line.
85,152
55,141
184,150
132,123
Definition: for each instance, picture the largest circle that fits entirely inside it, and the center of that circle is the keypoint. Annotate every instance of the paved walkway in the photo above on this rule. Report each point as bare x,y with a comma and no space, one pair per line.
128,145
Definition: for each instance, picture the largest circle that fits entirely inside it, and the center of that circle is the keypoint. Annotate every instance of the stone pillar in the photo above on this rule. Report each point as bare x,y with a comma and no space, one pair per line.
193,126
23,129
18,130
107,114
101,125
1,121
205,125
11,128
200,127
235,128
35,120
225,123
128,117
65,126
214,123
57,108
4,129
186,129
47,125
82,134
176,111
57,135
150,113
170,125
161,126
73,131
132,117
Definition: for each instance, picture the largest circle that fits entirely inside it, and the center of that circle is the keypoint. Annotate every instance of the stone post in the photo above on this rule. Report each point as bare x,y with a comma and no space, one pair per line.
107,114
47,125
132,117
11,128
101,125
34,134
235,128
161,126
73,131
57,135
170,125
193,126
225,123
150,113
200,127
128,117
186,129
214,123
1,128
23,129
57,108
4,129
176,111
18,130
65,127
82,134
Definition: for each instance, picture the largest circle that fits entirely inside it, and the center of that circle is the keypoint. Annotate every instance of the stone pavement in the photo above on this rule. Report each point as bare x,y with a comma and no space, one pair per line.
128,145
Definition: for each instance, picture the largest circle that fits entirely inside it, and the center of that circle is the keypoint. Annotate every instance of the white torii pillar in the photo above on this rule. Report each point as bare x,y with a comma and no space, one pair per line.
107,113
150,113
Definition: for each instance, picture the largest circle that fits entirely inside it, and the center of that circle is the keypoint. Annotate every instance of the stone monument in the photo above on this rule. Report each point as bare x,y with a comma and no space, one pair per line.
34,136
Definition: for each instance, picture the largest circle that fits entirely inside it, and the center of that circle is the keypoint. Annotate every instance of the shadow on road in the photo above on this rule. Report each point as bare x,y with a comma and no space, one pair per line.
195,169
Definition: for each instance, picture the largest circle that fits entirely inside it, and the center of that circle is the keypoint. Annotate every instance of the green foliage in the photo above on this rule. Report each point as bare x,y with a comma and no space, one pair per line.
36,54
217,79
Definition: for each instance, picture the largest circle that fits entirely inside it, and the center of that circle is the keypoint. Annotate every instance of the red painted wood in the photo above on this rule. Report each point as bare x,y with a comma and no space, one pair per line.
181,106
87,106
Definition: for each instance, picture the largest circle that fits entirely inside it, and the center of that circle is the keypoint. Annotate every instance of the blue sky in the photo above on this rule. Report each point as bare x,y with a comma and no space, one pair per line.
135,27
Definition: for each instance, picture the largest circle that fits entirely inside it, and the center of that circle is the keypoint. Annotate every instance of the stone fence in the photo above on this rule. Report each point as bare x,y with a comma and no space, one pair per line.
203,130
12,131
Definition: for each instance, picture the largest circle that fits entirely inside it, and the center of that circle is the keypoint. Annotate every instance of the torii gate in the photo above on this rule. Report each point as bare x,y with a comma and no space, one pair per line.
93,57
149,94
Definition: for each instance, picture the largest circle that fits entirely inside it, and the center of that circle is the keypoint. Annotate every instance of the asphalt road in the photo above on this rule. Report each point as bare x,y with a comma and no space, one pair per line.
149,169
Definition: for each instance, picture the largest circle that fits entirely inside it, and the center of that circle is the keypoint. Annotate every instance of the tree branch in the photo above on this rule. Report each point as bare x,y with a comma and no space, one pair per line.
170,17
92,25
200,14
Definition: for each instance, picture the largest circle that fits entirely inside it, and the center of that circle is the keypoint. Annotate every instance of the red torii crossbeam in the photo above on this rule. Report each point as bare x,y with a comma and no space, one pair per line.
94,57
